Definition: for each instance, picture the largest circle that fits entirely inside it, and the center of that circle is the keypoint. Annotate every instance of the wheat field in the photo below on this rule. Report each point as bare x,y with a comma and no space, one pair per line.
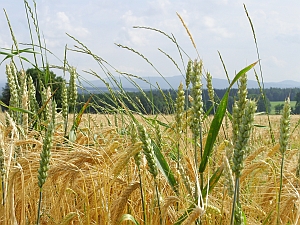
95,180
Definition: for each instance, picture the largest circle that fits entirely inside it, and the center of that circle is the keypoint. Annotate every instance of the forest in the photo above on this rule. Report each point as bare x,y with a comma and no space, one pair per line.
155,101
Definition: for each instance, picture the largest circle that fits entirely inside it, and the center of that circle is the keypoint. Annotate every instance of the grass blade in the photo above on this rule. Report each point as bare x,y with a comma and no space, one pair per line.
79,116
164,168
213,181
16,109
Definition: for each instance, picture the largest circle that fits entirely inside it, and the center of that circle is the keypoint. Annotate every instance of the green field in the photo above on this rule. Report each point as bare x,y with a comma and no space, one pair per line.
274,103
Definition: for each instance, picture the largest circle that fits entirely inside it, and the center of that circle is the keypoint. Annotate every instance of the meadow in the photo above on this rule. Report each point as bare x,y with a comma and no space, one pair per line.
67,166
275,103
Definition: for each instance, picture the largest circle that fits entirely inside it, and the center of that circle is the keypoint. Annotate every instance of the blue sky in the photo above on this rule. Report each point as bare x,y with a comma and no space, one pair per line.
216,25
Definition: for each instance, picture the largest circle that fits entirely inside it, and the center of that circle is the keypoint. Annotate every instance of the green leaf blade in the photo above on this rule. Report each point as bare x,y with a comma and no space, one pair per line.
164,168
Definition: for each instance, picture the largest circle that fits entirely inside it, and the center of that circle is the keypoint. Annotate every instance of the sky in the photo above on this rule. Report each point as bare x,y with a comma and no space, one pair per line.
216,26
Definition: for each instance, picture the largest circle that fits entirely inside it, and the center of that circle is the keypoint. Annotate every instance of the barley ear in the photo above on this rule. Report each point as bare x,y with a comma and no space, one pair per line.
120,204
195,214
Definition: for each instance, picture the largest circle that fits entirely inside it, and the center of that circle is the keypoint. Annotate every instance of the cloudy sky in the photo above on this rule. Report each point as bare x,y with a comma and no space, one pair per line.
216,25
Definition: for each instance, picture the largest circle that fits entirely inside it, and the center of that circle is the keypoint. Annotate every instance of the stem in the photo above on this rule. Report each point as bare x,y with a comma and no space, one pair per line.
158,202
142,196
280,189
178,165
178,155
3,191
222,207
235,199
195,155
66,126
39,208
201,155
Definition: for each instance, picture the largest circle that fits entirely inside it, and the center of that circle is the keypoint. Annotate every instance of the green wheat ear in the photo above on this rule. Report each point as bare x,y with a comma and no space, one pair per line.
13,87
148,150
283,141
179,108
64,107
241,145
72,98
197,104
285,127
45,156
210,88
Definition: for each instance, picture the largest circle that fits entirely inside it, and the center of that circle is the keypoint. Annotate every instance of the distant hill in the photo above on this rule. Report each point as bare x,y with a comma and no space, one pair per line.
173,82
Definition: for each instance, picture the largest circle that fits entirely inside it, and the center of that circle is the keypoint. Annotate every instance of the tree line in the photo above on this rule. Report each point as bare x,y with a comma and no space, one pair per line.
155,101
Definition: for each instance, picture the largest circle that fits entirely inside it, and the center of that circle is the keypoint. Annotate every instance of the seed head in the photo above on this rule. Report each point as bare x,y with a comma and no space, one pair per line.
196,93
148,150
285,126
179,108
241,145
64,96
45,156
189,72
209,85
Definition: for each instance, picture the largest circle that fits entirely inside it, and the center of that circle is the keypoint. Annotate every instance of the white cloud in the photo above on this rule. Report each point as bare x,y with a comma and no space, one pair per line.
130,36
210,23
130,69
157,7
131,19
61,23
277,62
3,43
133,37
221,2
